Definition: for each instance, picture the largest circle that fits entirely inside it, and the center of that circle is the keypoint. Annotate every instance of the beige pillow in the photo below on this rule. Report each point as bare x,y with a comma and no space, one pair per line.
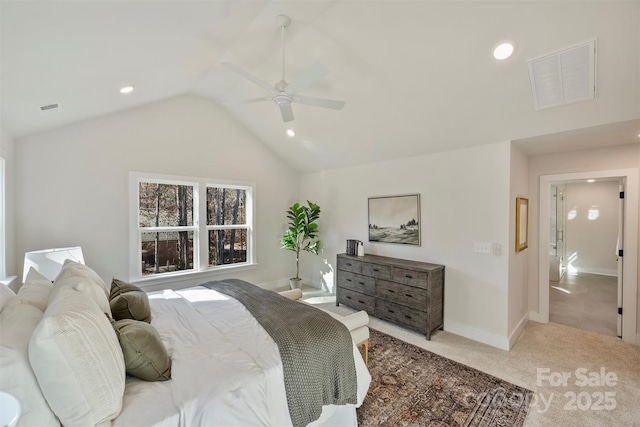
145,356
76,357
129,302
35,290
81,278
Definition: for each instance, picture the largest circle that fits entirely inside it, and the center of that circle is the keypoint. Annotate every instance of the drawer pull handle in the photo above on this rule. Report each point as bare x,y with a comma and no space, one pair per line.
408,295
348,280
348,297
349,264
361,302
361,283
407,316
375,269
408,276
391,290
391,311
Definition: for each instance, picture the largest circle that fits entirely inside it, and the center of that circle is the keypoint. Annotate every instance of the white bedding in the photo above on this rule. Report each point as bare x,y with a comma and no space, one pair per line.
226,369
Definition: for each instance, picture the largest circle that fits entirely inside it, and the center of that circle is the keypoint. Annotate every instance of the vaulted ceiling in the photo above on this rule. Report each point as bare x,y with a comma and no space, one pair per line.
417,76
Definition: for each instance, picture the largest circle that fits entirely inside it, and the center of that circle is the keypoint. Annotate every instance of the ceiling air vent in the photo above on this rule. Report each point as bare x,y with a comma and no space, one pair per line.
49,107
564,77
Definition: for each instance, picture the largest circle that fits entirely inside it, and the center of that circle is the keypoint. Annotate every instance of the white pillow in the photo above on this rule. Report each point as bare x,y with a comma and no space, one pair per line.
77,359
81,278
17,322
35,290
6,295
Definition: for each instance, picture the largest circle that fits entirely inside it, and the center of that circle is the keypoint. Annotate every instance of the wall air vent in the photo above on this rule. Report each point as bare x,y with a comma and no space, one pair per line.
564,77
50,107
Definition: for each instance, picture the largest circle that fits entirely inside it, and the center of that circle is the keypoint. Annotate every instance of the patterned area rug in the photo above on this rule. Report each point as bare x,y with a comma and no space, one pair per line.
413,387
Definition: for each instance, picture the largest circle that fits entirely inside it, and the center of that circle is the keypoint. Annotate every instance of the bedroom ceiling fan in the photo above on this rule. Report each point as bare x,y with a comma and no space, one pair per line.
283,94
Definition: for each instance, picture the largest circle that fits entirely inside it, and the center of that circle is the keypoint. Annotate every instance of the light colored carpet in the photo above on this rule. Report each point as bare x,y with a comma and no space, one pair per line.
556,350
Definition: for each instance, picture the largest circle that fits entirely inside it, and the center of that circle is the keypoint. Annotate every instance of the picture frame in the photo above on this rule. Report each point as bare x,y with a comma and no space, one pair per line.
522,223
395,219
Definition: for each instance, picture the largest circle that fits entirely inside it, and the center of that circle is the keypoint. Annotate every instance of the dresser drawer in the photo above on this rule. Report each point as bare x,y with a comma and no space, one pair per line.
402,294
419,279
376,270
356,282
356,300
348,264
400,314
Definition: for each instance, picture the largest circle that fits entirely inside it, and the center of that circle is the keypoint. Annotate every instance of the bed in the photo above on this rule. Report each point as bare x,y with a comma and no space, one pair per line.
226,369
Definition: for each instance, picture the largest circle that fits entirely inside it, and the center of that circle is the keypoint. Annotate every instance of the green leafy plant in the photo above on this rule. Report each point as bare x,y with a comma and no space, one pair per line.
302,231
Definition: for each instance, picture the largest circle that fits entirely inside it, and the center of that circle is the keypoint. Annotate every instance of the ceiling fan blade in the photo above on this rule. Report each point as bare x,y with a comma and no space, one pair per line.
319,102
266,86
307,78
287,112
248,101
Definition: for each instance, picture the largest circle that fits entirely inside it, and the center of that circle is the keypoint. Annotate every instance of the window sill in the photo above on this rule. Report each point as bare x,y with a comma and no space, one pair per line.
190,278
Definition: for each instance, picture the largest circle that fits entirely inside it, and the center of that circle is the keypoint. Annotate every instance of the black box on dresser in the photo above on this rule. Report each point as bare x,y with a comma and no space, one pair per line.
409,293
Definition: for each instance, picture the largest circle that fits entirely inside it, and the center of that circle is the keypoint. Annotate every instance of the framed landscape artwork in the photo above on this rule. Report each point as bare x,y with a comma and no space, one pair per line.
522,223
395,219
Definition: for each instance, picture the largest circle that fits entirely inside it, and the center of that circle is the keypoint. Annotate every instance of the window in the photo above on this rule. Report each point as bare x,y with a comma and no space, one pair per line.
2,222
174,233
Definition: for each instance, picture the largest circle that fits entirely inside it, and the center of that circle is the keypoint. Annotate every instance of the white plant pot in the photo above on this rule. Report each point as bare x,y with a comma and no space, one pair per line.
295,283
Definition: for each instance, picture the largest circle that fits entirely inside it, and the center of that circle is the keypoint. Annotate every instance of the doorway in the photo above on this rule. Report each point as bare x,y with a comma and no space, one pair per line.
630,234
583,265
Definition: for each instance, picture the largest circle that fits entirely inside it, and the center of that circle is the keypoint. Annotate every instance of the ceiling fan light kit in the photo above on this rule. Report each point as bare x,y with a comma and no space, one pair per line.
283,94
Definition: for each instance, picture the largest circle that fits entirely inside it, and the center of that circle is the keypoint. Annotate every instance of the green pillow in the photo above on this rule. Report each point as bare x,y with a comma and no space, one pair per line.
129,302
145,356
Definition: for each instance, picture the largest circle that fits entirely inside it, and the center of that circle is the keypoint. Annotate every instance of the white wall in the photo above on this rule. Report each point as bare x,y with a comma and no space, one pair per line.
518,261
593,241
72,183
464,199
7,153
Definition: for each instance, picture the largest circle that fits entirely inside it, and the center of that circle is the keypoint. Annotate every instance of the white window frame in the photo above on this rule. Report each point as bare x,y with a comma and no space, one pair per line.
200,228
3,235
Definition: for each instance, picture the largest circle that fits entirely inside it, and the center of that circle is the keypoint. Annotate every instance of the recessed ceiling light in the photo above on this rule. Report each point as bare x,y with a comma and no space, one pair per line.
591,180
291,132
126,89
503,50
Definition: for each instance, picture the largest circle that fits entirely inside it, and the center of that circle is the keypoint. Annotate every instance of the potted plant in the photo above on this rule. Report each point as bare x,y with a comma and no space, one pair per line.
301,234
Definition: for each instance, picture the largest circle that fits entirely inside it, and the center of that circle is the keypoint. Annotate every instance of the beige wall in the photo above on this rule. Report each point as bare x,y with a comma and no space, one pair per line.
518,261
465,198
72,183
593,241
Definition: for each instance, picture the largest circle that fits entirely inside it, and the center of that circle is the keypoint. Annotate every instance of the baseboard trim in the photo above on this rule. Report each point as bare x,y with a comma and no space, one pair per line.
518,330
535,316
599,271
489,338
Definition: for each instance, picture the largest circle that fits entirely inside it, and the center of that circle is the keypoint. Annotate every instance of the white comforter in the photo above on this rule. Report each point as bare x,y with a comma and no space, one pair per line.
226,369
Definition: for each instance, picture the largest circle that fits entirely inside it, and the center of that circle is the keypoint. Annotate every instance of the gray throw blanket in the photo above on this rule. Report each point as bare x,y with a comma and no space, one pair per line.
316,349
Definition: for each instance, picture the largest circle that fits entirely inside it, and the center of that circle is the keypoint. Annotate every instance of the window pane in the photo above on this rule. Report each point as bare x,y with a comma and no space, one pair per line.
221,249
165,205
165,252
226,206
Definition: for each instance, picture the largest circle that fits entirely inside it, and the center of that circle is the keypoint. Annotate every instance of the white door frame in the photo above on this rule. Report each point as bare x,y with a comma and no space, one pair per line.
630,266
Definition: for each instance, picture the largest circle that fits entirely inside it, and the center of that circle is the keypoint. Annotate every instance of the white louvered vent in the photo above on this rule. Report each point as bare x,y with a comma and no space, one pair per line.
49,107
564,77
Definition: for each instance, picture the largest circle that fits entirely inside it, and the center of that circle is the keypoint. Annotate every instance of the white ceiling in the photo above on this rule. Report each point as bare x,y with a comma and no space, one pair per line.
417,76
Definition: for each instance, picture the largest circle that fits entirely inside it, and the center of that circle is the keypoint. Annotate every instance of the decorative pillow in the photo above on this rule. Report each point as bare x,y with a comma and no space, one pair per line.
129,302
35,290
81,278
17,322
6,295
77,359
145,356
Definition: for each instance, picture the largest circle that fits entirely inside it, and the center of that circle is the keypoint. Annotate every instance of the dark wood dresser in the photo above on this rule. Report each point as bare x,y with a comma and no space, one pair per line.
409,293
